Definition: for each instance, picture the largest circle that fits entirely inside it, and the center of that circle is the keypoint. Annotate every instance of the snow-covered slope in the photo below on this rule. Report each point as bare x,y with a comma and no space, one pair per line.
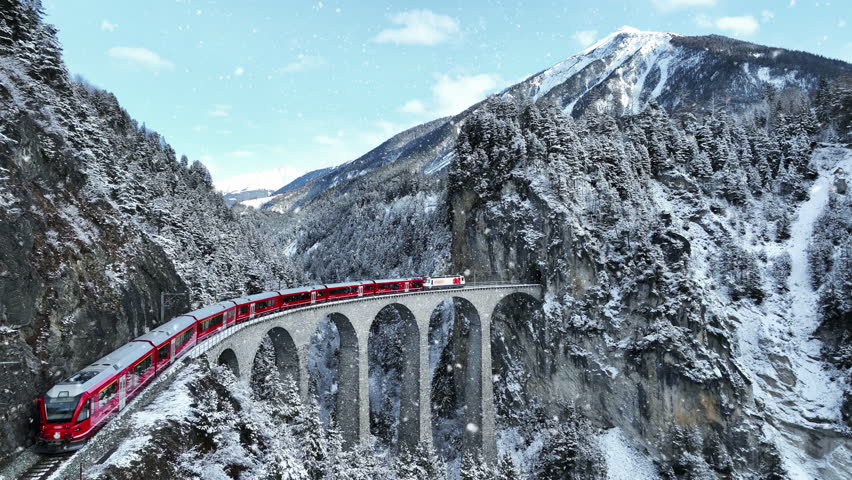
250,188
622,72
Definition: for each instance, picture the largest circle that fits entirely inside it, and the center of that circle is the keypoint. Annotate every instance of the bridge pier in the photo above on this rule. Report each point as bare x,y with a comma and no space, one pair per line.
425,379
304,375
363,401
489,414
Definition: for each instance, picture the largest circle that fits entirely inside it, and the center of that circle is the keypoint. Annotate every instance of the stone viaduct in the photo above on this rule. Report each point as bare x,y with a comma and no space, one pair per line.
291,332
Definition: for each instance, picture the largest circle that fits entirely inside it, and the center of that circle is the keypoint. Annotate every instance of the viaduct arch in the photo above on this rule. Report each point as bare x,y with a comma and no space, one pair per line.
291,333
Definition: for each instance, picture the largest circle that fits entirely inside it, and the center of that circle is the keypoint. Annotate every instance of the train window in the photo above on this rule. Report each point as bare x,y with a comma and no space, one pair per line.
184,338
244,309
301,297
320,293
369,288
416,284
82,377
60,409
264,304
163,352
142,366
395,286
107,394
84,411
211,322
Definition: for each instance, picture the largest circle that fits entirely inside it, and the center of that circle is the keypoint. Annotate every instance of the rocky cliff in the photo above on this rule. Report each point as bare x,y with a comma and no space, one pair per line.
97,218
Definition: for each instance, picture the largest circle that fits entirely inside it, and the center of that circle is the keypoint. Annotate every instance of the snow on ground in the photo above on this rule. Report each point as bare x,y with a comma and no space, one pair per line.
775,339
257,202
774,345
511,442
266,180
174,402
623,462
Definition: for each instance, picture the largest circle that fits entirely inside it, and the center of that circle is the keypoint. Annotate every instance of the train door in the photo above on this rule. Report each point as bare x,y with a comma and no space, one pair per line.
406,286
251,311
229,317
313,297
122,392
360,290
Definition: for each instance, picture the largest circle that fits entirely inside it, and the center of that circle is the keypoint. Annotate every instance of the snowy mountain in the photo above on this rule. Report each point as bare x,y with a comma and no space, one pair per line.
622,72
255,189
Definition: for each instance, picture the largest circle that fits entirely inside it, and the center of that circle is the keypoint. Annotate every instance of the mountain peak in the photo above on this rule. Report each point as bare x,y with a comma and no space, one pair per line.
628,68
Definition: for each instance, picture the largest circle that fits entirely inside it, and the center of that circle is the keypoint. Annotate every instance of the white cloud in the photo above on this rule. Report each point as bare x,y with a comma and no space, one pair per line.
220,111
668,5
418,27
106,25
703,21
792,3
585,37
413,106
239,71
302,63
141,58
841,23
738,26
767,15
454,94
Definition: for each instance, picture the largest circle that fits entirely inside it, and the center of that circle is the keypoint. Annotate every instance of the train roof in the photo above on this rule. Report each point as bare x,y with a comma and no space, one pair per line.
101,370
167,330
291,291
261,296
342,284
210,310
390,280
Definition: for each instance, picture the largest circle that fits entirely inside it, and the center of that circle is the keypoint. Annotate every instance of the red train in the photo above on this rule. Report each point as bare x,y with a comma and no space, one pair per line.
73,410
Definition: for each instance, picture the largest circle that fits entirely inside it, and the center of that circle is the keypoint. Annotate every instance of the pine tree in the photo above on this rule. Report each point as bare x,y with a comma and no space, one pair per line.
506,469
716,454
559,454
314,444
407,466
700,166
283,466
473,467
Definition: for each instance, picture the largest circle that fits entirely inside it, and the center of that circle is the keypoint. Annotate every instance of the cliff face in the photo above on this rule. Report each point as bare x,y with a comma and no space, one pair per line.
674,251
97,218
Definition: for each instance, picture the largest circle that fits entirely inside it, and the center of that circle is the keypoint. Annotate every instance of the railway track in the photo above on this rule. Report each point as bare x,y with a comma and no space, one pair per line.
46,466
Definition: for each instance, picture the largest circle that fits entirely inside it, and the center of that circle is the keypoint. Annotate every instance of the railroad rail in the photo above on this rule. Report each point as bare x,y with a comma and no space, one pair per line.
46,466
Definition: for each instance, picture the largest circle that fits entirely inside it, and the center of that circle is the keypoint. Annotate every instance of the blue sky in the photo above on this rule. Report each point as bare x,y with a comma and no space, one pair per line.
246,86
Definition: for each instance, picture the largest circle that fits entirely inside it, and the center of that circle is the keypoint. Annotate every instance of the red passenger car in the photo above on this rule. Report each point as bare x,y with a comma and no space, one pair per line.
73,410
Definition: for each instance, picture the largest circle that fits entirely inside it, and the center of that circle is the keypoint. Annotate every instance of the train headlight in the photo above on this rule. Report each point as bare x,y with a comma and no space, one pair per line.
56,435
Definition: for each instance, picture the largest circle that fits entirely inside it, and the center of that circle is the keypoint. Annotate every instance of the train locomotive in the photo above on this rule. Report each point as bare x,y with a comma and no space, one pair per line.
74,409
